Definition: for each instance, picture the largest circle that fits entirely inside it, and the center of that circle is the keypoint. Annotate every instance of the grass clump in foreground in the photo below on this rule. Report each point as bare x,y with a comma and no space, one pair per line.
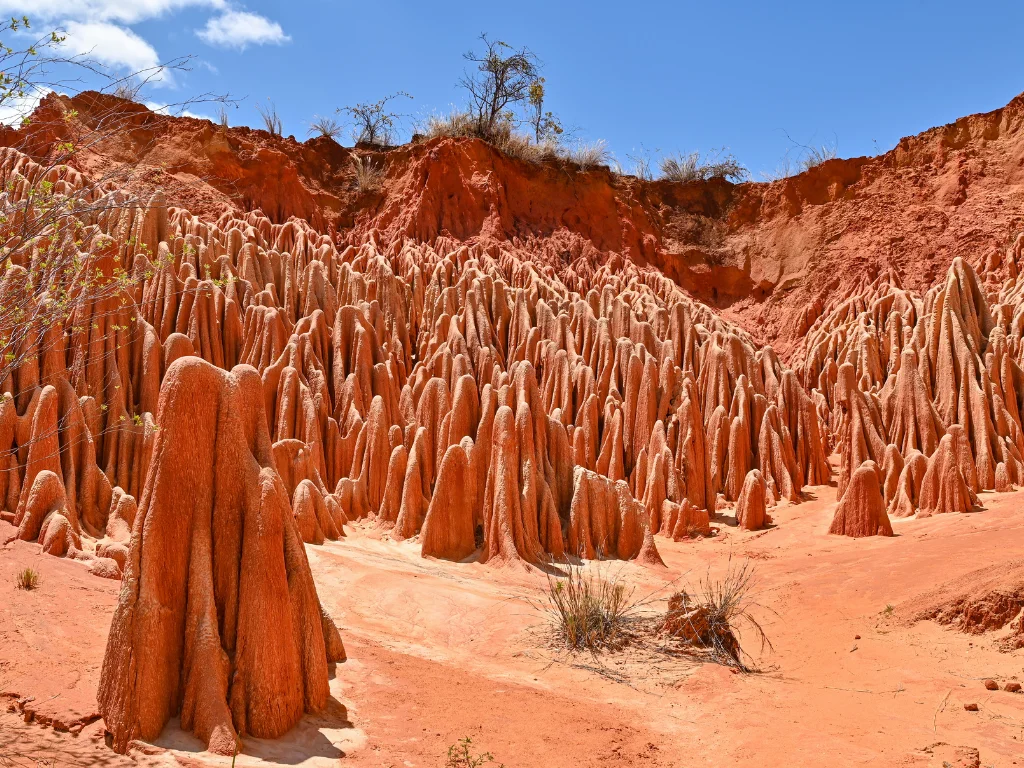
595,613
709,619
589,611
460,755
27,579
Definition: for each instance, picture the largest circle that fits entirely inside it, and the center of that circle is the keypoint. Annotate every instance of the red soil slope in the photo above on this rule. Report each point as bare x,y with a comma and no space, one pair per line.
773,256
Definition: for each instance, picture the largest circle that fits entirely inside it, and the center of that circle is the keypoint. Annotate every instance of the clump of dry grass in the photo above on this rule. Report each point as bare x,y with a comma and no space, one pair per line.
710,618
589,611
455,123
271,119
369,176
694,167
632,640
587,155
815,155
27,579
325,127
519,146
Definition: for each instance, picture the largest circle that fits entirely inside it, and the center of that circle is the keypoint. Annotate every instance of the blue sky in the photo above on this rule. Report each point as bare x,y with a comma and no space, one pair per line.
665,76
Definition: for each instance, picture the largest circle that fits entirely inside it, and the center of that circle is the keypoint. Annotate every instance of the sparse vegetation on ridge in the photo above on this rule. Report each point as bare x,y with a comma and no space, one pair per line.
815,155
802,157
373,123
325,127
506,93
501,85
271,120
694,167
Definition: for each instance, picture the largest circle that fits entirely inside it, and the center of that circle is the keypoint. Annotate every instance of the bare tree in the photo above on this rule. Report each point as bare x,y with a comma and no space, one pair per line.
501,83
373,123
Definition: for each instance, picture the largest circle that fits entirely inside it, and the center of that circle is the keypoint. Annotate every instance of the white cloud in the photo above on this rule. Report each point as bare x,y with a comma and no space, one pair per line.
122,11
16,108
164,109
116,47
101,29
239,29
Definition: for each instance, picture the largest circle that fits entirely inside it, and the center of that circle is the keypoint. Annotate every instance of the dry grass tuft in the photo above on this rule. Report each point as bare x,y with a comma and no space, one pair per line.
271,120
589,611
369,176
710,618
814,156
587,155
633,641
693,167
27,579
455,123
519,146
325,127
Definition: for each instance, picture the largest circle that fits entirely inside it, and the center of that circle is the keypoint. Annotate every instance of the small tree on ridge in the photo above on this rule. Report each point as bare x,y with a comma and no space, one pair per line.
502,83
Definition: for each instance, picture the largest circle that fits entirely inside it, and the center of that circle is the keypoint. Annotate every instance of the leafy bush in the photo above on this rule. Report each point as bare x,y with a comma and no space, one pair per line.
461,756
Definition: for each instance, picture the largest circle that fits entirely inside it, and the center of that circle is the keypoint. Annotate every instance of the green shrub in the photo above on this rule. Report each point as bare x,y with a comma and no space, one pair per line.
460,756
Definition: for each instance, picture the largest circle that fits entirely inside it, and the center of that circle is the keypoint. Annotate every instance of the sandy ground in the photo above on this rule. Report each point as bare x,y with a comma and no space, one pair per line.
440,651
